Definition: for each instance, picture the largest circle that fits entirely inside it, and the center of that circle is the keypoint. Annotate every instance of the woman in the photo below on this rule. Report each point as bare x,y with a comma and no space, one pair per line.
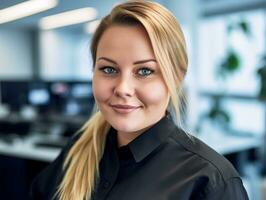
131,148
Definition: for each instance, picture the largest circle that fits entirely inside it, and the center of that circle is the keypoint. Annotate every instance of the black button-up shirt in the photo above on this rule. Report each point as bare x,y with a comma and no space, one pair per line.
163,163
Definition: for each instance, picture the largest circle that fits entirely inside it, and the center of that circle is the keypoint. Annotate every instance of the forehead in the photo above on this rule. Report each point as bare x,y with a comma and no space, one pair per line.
125,41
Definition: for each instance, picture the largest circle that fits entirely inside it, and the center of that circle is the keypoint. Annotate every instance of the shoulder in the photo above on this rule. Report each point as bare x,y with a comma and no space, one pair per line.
198,154
208,174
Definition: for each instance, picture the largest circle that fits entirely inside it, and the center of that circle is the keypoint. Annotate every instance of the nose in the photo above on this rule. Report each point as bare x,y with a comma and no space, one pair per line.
124,87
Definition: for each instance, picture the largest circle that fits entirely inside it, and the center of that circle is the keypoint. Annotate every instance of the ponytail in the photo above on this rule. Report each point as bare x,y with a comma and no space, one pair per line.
82,161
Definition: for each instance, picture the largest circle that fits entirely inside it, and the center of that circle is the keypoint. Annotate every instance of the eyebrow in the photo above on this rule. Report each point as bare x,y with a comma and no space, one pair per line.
135,63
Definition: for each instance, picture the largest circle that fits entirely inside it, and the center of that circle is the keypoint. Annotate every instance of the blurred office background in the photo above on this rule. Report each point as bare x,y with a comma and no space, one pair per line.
46,71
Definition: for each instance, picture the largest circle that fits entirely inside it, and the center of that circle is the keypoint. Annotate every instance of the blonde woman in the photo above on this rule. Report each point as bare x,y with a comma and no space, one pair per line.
131,148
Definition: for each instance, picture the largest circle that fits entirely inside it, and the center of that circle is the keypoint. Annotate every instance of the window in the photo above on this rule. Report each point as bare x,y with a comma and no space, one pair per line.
247,114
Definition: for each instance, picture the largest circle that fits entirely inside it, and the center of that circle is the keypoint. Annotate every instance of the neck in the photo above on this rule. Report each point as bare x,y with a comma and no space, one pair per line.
124,138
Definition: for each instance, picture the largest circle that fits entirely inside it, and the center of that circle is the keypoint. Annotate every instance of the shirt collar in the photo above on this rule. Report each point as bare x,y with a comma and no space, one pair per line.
149,140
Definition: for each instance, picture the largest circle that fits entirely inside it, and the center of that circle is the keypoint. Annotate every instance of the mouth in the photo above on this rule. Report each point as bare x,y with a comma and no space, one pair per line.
124,109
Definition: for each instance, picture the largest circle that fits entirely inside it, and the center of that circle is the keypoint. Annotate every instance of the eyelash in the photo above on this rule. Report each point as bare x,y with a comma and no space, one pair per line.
108,70
151,71
105,68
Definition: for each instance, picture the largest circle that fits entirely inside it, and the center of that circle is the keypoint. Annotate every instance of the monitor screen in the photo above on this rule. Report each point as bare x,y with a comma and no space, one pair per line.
81,90
39,96
60,89
14,94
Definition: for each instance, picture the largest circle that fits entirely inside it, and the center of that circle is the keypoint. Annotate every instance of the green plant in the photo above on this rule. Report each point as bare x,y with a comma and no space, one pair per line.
232,60
229,65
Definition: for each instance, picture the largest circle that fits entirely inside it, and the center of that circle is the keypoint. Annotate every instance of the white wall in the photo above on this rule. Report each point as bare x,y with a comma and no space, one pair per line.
64,56
15,54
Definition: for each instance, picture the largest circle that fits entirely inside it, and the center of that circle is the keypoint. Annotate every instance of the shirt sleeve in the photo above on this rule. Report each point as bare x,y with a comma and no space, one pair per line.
232,189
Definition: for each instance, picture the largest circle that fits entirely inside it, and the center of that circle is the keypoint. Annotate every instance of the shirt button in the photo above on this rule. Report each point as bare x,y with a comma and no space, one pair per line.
106,184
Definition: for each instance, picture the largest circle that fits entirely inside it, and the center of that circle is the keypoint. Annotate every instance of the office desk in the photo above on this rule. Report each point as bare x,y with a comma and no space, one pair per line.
25,148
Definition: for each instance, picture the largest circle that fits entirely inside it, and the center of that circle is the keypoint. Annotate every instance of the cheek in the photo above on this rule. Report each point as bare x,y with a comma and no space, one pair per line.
154,95
101,91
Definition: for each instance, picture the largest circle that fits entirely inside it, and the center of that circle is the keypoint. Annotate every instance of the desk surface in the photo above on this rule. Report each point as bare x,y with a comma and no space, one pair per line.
25,148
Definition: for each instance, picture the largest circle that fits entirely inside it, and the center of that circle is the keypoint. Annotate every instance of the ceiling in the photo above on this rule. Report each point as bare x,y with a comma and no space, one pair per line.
31,22
208,7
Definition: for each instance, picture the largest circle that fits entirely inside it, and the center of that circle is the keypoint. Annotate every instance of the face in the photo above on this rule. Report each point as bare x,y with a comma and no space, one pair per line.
127,84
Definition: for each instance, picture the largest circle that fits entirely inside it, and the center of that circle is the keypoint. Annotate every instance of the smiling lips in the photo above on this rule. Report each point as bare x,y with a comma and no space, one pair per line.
124,109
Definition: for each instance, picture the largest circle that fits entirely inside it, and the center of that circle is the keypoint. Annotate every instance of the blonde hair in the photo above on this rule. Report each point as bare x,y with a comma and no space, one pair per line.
82,162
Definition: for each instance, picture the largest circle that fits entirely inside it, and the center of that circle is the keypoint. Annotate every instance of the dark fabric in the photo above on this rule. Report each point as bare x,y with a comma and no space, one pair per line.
163,163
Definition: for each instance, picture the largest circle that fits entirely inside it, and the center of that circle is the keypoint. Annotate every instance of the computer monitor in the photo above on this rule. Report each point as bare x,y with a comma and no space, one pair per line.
81,94
81,90
38,96
14,94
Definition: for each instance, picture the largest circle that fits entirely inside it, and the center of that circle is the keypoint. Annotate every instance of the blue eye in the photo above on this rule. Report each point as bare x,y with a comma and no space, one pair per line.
108,70
145,71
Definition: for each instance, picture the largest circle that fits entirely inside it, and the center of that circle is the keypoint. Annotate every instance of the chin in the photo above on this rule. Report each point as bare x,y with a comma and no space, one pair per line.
126,127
